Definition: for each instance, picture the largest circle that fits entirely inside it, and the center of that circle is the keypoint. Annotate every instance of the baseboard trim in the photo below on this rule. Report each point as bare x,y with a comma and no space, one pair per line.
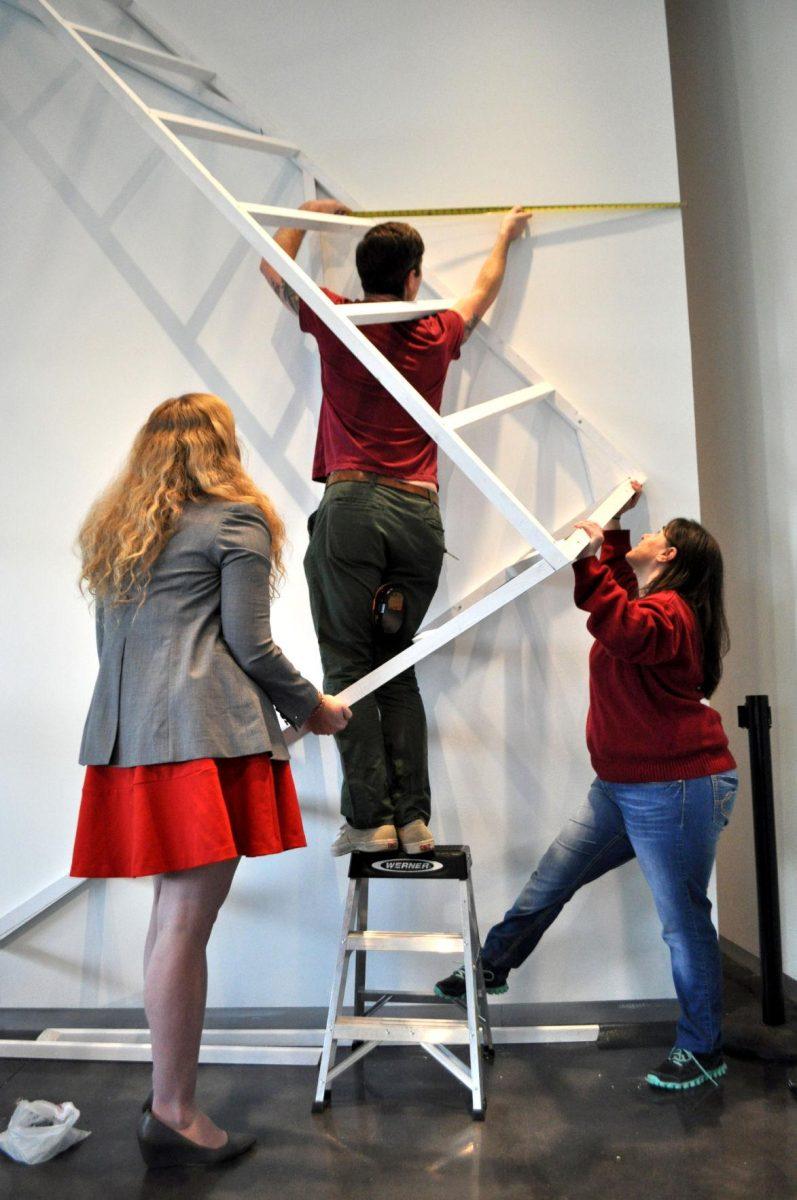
24,1022
752,963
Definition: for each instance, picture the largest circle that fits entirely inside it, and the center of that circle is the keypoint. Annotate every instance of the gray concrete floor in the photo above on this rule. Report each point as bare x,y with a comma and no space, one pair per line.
563,1122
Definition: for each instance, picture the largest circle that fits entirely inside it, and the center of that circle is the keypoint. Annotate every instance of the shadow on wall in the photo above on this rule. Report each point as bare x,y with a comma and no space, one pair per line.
183,334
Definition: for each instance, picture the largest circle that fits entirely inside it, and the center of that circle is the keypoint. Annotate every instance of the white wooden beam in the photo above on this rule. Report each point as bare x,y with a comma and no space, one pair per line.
134,52
23,914
226,101
302,218
491,408
210,131
518,579
238,1047
435,638
123,1051
210,1037
398,310
524,369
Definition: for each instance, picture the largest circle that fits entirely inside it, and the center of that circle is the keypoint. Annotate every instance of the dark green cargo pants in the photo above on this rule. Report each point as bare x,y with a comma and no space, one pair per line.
364,535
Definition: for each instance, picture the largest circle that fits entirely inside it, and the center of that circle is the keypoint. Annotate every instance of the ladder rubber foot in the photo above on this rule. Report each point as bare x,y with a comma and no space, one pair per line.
478,1114
320,1105
488,1053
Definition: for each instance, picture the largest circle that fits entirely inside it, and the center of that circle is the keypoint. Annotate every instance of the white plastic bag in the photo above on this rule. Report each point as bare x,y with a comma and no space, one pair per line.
39,1130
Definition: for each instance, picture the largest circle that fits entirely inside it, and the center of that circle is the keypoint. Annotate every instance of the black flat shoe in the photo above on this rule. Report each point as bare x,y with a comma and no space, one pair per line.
147,1105
162,1146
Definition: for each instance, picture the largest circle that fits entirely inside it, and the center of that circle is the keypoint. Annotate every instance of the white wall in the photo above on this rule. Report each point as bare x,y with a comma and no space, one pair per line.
736,108
127,287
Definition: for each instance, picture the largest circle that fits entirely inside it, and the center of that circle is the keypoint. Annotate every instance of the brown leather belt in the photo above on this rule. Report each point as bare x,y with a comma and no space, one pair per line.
386,480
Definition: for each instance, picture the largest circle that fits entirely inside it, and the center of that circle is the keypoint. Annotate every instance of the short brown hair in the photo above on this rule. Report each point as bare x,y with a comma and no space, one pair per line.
386,255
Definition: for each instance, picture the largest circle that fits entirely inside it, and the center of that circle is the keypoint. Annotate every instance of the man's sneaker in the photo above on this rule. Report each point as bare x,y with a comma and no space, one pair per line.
416,838
453,987
683,1069
383,837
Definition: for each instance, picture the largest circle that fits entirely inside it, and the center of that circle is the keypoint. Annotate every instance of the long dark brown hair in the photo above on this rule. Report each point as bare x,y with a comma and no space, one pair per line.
696,573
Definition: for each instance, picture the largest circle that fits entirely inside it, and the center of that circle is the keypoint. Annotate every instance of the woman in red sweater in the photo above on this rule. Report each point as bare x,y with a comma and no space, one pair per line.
666,780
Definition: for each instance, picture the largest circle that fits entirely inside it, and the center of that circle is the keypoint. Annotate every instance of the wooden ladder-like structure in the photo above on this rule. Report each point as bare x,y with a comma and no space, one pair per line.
171,64
173,67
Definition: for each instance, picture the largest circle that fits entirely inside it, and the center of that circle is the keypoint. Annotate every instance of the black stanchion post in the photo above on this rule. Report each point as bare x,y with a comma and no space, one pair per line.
755,716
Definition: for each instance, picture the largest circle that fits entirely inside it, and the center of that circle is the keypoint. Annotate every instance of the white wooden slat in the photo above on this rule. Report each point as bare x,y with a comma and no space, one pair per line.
198,93
282,1056
225,101
264,1055
210,131
600,514
532,1034
383,312
501,404
255,1047
511,571
576,419
127,51
16,918
210,1037
237,108
271,215
525,371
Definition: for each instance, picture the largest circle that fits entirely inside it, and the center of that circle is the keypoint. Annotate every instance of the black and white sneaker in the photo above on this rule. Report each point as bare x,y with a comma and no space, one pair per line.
453,987
682,1069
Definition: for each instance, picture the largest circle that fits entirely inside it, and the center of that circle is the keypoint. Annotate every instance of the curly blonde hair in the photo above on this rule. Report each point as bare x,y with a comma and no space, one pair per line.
186,453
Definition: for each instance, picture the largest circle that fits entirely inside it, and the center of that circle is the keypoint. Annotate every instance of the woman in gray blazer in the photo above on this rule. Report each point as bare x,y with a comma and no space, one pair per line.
186,765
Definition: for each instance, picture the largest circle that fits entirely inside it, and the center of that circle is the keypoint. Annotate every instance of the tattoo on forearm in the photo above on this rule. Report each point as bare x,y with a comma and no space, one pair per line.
471,324
285,293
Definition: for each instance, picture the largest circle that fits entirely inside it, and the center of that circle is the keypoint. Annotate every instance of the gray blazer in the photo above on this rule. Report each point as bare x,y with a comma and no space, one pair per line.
192,672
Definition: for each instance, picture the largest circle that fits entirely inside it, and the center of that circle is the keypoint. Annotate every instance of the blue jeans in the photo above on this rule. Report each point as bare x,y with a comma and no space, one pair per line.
672,829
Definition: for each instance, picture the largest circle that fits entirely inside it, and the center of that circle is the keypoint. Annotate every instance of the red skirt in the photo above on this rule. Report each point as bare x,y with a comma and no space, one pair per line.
173,816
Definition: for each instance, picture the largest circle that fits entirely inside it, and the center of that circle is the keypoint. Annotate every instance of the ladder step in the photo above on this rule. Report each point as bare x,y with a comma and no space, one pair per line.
302,218
491,408
431,943
209,131
127,51
382,313
402,1030
490,585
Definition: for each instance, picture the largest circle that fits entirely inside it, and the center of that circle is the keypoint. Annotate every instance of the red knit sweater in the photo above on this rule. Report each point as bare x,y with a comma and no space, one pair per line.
647,721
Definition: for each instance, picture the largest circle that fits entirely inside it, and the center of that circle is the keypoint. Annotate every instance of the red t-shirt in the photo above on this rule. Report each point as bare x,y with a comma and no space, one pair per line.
647,722
361,425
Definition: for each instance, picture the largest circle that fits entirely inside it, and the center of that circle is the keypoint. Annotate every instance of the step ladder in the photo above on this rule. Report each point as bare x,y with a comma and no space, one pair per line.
364,1028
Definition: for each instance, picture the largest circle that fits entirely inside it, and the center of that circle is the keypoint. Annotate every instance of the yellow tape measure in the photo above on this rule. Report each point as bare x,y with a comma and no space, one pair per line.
474,212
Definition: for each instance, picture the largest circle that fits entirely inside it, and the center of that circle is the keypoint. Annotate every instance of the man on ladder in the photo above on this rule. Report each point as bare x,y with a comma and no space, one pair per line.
376,542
